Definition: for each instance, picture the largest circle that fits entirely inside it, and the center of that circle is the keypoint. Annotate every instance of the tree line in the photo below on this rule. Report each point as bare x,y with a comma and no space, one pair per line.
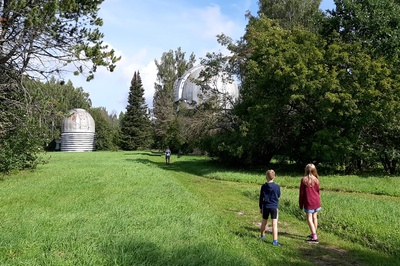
315,86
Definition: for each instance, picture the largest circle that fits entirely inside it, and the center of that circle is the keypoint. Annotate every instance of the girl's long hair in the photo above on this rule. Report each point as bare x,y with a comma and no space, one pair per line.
311,175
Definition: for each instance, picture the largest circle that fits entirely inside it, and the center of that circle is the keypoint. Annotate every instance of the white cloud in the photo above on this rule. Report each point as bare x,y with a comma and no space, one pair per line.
215,22
149,75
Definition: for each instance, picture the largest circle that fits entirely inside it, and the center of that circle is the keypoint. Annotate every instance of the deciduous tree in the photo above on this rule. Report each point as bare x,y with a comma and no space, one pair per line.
40,37
291,13
373,24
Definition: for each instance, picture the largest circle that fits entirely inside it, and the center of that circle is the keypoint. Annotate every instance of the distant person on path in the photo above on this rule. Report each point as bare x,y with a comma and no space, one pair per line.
310,200
268,203
167,155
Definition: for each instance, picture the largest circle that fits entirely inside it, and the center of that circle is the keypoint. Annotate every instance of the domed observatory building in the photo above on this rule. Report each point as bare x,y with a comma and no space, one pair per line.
78,130
190,94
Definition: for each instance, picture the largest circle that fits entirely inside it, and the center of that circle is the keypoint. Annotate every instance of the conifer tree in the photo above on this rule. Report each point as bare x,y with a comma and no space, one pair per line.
136,125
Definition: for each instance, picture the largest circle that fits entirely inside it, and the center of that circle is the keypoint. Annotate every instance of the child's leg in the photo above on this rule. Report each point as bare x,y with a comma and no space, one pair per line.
275,229
263,226
315,220
310,222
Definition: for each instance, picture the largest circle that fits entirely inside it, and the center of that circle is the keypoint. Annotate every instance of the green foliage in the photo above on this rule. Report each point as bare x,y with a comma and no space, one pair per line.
55,34
20,135
372,23
107,129
372,70
315,97
19,147
291,13
135,125
280,92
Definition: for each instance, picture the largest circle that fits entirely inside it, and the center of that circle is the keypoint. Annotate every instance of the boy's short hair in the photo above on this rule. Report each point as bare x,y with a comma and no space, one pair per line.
270,174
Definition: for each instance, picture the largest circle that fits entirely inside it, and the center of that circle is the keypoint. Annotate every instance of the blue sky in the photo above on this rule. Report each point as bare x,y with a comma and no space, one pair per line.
141,31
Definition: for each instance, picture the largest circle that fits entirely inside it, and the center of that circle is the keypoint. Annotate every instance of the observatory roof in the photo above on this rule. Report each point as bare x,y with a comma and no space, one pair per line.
79,120
186,90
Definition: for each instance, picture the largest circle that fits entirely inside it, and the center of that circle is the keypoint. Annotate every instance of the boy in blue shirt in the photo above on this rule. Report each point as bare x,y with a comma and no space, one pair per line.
268,203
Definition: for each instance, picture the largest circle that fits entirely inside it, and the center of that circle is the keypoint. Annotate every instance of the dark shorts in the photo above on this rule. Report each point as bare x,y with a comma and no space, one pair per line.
270,211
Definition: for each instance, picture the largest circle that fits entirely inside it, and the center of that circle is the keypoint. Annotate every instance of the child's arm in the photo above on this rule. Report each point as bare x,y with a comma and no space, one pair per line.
301,196
261,200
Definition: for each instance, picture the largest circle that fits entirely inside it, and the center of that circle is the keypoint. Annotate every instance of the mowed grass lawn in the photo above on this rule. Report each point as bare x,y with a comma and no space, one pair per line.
130,208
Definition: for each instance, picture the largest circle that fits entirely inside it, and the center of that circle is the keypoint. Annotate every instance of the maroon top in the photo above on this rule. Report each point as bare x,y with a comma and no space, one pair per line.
309,197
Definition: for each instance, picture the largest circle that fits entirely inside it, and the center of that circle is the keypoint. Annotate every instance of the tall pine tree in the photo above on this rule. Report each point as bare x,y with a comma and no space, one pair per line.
136,125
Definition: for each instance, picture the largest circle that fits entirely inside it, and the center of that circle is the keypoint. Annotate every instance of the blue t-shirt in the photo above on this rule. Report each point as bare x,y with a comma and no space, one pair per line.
269,195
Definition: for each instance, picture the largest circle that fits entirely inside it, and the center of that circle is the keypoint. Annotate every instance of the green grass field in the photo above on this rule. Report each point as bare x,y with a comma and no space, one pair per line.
129,208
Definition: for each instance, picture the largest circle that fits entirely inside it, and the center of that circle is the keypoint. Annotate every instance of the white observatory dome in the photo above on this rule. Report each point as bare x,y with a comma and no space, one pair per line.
188,92
78,130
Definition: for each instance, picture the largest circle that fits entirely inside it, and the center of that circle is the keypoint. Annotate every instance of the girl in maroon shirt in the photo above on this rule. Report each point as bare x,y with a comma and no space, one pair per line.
310,200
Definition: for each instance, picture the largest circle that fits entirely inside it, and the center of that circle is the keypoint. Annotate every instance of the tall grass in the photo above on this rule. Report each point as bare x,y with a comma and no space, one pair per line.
384,185
129,208
361,209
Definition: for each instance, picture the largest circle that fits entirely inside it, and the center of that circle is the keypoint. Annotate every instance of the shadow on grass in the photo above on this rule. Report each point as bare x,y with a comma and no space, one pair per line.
148,253
288,169
198,167
150,153
203,167
254,230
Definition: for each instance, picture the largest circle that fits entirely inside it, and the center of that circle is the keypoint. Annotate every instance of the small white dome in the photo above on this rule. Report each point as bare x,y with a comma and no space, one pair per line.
78,130
79,120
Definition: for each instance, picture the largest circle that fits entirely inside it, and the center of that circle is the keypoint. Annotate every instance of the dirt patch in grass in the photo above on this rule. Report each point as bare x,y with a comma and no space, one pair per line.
320,254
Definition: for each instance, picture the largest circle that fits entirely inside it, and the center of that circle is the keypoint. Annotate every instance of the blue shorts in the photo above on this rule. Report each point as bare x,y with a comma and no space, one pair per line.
267,211
312,211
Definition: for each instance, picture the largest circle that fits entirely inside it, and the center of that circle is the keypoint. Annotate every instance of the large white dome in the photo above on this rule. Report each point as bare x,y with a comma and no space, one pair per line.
188,92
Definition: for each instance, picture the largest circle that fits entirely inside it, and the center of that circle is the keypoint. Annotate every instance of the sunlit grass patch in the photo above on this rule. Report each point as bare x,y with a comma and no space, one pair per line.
130,208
